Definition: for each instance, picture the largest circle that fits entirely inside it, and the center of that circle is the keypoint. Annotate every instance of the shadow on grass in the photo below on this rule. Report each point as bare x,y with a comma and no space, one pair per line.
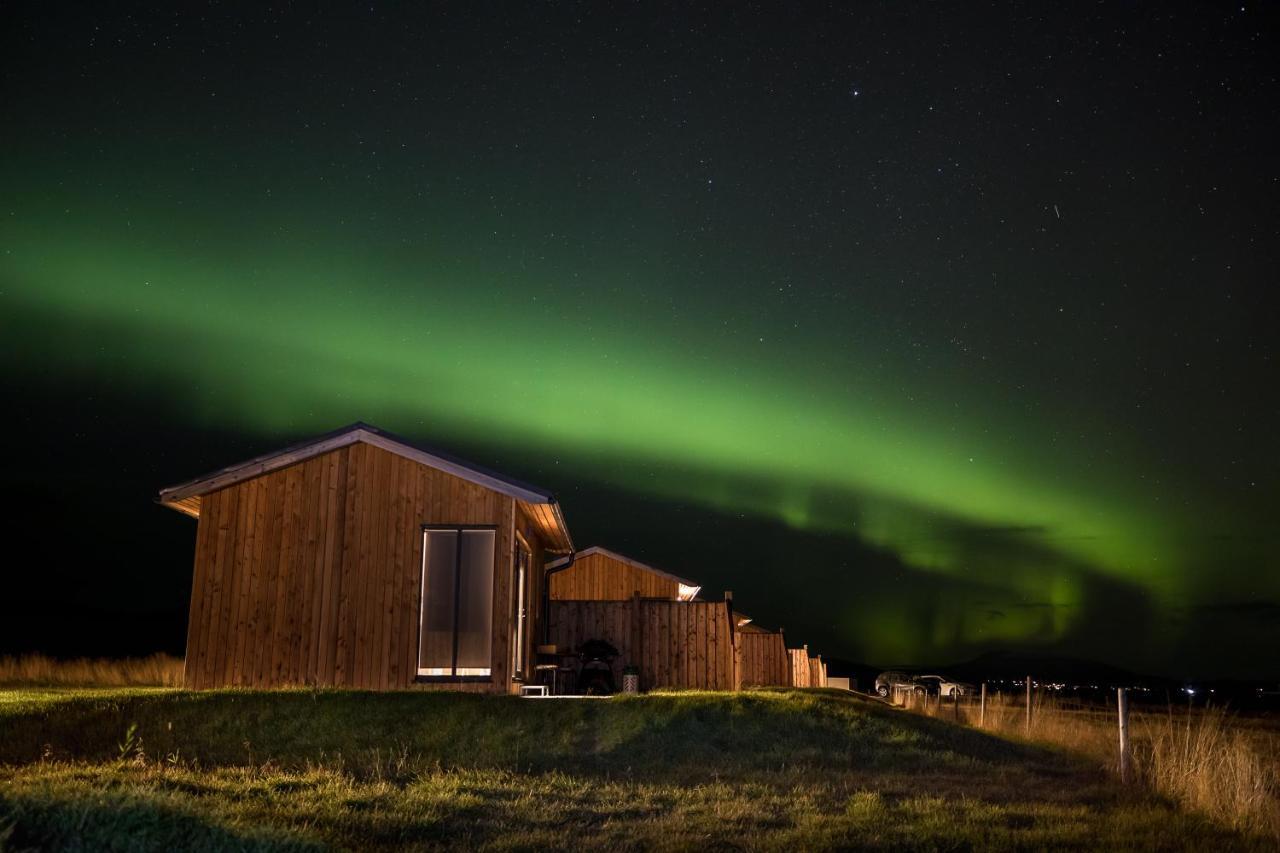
685,738
110,821
238,727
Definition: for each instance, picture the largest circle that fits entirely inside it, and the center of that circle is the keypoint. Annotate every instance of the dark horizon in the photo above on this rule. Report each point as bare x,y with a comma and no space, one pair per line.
928,334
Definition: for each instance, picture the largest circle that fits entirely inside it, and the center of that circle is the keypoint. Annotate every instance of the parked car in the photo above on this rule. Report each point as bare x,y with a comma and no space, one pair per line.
940,685
886,680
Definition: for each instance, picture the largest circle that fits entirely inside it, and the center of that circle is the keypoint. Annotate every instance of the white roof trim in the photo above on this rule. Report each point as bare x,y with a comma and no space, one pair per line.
685,585
291,456
480,478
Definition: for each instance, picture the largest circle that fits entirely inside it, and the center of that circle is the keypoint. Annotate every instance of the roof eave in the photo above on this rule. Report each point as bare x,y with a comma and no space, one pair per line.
563,525
622,558
348,435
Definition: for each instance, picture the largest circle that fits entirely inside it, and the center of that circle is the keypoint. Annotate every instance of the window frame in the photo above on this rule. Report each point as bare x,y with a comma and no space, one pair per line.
520,613
457,601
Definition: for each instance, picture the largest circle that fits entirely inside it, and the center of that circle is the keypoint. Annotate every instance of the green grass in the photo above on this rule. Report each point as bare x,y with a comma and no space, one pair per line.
758,770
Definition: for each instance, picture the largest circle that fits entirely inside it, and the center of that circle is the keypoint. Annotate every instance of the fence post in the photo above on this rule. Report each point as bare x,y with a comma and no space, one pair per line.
1028,705
1122,707
735,647
982,706
955,703
786,658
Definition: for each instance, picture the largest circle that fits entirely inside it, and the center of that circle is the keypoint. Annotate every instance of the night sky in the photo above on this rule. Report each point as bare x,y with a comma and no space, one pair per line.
929,330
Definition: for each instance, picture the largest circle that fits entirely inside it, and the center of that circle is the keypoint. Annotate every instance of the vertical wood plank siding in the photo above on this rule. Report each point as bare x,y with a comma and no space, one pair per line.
682,644
599,577
311,574
762,660
817,672
799,667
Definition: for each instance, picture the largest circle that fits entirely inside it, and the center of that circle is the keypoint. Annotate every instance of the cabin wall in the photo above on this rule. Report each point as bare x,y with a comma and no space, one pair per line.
761,659
598,577
312,574
681,644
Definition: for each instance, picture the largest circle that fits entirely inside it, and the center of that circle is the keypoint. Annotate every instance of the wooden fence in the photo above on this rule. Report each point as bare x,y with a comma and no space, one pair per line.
761,660
683,644
799,666
817,672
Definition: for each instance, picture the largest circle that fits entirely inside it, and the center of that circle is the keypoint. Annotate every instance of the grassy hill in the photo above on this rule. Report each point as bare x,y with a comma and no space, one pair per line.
164,769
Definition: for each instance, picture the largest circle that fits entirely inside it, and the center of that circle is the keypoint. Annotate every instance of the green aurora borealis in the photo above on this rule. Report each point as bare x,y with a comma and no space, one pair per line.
652,322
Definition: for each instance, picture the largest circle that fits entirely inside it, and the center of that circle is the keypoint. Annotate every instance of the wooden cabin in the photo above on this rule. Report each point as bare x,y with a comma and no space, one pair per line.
760,656
674,644
360,559
598,574
652,617
743,622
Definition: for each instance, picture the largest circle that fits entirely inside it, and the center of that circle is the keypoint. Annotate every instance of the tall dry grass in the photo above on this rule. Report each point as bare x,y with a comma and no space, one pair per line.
42,671
1208,759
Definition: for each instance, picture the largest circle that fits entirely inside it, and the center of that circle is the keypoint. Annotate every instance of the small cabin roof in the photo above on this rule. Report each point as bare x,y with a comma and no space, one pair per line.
745,623
185,497
688,589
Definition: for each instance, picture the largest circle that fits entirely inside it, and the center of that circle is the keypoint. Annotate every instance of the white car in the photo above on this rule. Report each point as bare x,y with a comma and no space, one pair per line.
940,685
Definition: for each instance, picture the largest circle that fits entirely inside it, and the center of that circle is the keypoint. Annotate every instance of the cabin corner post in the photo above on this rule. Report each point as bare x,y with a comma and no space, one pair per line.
506,612
195,607
735,647
786,658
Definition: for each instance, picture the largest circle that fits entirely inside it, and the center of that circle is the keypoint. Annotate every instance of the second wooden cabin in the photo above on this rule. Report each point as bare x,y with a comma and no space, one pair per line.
652,617
657,623
598,574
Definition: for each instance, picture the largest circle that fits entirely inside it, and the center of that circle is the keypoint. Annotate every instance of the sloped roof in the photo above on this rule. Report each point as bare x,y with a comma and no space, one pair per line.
746,623
689,589
184,497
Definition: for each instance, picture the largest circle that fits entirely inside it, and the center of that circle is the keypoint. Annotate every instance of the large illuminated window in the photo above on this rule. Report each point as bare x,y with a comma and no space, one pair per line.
456,639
